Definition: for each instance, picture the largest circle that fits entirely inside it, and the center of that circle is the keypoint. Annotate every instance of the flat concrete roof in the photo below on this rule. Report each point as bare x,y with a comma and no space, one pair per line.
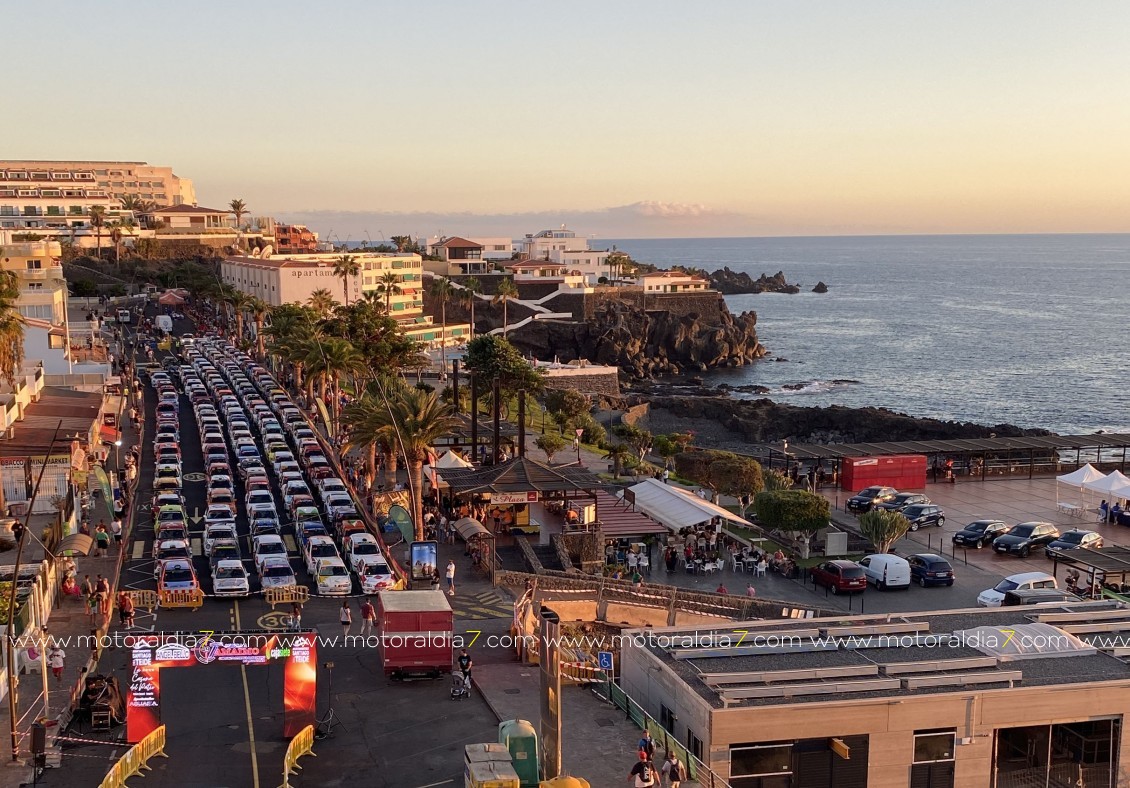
878,656
77,410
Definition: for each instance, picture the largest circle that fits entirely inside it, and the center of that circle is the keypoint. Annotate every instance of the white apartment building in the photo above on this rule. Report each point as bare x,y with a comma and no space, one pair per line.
493,248
292,279
116,179
564,247
672,282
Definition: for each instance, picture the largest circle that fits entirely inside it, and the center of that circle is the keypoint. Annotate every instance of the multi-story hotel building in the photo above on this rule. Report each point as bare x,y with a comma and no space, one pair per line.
55,198
292,279
565,248
295,239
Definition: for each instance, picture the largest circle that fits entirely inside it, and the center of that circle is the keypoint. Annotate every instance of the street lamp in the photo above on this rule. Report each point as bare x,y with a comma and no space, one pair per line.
118,454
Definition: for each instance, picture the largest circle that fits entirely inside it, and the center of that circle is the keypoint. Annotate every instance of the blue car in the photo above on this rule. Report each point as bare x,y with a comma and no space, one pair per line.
930,569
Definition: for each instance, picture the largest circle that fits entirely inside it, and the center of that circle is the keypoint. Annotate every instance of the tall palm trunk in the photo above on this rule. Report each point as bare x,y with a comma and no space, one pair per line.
416,494
505,318
472,315
443,346
390,469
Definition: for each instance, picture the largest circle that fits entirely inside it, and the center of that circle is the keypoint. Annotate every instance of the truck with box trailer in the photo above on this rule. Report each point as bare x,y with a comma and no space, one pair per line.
415,633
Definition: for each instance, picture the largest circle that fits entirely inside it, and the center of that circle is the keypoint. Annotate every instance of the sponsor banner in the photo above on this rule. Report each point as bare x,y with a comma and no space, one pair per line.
325,416
104,483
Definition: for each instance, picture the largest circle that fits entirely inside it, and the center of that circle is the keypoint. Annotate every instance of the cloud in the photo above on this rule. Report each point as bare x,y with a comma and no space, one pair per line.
643,219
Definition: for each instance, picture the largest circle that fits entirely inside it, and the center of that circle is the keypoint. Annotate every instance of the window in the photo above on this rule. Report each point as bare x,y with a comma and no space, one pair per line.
34,285
34,265
933,746
694,744
760,760
666,716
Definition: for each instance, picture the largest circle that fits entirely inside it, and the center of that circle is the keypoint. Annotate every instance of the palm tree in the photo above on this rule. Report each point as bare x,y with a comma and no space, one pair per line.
116,240
443,292
420,418
328,360
619,454
238,300
506,293
239,209
468,295
322,302
259,310
11,329
346,266
389,285
98,221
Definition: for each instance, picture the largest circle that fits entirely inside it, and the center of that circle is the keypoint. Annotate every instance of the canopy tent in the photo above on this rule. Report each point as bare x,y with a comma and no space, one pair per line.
1077,479
169,298
675,507
468,528
1115,484
618,520
75,544
448,460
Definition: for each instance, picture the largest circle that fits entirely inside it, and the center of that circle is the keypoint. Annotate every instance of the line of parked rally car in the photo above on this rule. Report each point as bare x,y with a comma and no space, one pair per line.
251,431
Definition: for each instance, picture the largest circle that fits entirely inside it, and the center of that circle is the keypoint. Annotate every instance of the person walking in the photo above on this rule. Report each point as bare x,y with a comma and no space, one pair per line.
674,770
102,589
368,617
57,660
465,665
102,539
345,616
643,774
116,532
450,575
295,615
647,745
125,610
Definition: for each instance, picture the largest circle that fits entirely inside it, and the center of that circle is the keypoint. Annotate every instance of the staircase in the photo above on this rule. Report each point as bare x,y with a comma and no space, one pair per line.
547,554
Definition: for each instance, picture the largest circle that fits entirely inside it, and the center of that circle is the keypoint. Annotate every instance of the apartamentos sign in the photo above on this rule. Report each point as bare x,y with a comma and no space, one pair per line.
512,498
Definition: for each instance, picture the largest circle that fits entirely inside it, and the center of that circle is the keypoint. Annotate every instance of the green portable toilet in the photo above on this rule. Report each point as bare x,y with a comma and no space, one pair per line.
521,739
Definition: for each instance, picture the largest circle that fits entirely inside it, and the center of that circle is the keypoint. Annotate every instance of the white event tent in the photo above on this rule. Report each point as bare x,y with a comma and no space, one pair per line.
675,507
449,460
1078,479
1114,485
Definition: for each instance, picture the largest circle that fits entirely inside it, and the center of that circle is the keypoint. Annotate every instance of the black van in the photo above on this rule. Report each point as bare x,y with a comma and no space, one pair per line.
1038,596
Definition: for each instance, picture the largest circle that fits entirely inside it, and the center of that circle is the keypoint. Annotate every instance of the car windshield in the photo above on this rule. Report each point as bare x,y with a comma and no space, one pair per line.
376,570
1022,530
332,570
1006,585
1072,537
977,527
277,571
177,574
323,550
171,516
229,572
852,572
271,547
914,511
365,548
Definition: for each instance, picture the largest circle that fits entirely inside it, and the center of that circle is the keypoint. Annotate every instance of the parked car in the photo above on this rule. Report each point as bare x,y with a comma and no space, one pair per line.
839,576
1038,596
924,514
903,500
865,499
332,577
1020,539
267,545
1074,539
930,569
317,548
229,578
360,547
375,575
886,571
979,533
177,575
1024,581
275,572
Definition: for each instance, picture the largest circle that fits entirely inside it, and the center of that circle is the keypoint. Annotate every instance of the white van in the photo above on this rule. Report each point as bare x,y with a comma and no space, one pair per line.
886,571
1025,581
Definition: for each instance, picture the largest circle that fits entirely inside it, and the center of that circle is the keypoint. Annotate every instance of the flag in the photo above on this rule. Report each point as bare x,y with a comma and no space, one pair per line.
104,481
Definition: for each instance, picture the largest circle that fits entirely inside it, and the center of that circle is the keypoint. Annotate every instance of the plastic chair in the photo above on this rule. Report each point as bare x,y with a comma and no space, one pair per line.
761,569
739,566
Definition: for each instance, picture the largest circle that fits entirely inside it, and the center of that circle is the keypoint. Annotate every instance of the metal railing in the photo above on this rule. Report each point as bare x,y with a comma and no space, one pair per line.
136,759
302,744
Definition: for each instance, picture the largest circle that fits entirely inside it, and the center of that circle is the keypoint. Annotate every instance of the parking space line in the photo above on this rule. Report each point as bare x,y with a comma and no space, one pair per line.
247,706
138,550
197,546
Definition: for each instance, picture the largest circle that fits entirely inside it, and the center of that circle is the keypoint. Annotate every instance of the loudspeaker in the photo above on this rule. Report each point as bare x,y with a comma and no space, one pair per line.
38,738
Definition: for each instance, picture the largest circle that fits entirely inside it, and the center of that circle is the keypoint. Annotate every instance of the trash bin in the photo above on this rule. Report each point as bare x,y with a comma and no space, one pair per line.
521,739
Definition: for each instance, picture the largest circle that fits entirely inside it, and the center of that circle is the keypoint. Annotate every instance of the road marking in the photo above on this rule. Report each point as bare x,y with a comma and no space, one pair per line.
433,785
275,620
247,706
198,546
138,550
291,545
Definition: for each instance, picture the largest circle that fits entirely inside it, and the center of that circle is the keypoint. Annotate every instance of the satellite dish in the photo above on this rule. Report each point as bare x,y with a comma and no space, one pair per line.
267,251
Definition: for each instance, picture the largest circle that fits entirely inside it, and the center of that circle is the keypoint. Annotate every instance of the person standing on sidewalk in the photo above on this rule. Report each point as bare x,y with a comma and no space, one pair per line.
296,615
345,616
102,539
450,574
368,617
56,660
116,530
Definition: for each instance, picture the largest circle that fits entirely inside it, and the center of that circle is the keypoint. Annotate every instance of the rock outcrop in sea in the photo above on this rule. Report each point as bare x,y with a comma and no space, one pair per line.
646,343
730,282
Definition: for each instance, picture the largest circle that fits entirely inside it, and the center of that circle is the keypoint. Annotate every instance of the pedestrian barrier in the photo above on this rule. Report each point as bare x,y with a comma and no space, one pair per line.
302,744
135,761
189,598
143,599
287,595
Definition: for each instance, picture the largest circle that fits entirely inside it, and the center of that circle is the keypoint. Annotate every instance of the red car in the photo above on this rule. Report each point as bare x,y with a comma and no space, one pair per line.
845,576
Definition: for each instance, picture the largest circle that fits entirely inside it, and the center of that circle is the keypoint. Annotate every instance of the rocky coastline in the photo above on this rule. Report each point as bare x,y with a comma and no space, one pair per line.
729,423
730,282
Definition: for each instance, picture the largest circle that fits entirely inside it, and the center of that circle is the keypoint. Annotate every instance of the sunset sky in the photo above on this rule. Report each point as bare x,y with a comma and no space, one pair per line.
624,119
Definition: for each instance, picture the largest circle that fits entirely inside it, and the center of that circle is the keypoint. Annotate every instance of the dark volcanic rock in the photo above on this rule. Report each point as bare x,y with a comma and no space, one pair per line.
765,421
820,288
740,283
646,344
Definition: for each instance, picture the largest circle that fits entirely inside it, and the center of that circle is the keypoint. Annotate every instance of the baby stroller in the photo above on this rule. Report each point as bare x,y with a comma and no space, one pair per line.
460,686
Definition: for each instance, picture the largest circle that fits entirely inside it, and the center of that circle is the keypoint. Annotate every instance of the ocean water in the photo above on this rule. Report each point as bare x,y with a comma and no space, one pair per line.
1022,329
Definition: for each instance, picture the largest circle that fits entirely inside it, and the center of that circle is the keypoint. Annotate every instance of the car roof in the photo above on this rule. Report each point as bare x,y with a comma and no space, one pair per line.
320,539
277,560
1034,522
229,562
331,560
986,521
929,557
844,564
1022,576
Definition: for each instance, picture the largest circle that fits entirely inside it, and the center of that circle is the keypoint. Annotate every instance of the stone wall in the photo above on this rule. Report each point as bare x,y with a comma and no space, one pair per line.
607,383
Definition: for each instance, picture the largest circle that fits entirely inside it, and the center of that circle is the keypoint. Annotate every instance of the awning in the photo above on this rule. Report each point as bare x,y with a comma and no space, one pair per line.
618,520
675,507
108,434
468,528
170,299
78,543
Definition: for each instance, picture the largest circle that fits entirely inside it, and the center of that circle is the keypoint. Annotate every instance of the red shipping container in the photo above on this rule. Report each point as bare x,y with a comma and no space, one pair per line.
416,630
904,472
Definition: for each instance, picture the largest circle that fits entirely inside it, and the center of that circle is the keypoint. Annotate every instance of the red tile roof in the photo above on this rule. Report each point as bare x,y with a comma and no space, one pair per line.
459,243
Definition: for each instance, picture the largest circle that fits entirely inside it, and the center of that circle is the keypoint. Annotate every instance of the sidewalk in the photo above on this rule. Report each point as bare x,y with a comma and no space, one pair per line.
68,622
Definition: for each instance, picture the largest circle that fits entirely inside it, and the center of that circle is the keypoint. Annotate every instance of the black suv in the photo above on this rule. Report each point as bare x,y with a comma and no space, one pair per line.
979,533
923,514
864,500
1020,539
903,500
